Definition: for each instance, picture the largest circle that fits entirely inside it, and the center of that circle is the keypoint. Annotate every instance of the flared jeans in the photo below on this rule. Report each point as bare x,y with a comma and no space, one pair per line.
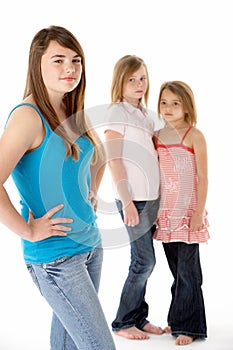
187,310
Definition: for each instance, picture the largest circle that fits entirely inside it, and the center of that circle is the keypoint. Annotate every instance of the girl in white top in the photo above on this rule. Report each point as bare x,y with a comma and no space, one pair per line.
133,164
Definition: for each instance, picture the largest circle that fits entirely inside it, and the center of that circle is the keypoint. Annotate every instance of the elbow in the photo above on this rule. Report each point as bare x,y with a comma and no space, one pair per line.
113,163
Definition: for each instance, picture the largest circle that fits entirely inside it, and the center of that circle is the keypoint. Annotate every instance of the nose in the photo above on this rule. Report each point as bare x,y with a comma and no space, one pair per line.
69,67
167,107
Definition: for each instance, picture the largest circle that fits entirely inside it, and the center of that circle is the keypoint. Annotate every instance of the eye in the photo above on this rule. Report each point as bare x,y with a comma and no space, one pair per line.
58,61
143,78
77,60
162,103
132,80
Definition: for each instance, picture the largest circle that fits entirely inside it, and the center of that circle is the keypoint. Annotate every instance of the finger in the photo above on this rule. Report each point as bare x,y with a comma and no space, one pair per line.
131,223
94,202
125,221
56,221
58,233
61,228
135,222
54,210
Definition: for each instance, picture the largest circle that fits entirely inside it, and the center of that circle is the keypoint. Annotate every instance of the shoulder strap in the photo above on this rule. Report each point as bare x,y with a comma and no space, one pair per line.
185,134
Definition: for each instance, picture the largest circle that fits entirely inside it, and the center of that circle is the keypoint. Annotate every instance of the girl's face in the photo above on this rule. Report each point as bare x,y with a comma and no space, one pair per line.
61,69
136,86
171,107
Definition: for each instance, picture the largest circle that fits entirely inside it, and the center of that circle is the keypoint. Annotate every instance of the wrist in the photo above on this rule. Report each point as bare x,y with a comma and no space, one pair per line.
27,234
127,203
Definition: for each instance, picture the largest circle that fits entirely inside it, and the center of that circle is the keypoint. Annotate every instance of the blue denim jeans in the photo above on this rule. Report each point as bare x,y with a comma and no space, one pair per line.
133,309
187,311
70,287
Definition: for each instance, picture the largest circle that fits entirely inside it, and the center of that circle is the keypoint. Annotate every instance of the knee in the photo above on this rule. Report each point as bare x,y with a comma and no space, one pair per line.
143,266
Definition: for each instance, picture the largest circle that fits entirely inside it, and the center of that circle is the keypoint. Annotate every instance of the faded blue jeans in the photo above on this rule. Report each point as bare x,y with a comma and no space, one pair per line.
133,309
187,310
70,287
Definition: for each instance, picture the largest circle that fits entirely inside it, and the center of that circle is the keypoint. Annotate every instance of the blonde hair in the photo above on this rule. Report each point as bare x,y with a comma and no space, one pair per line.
185,94
123,69
73,101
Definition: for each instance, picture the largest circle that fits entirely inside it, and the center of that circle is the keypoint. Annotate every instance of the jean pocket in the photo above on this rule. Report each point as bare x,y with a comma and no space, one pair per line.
56,262
141,206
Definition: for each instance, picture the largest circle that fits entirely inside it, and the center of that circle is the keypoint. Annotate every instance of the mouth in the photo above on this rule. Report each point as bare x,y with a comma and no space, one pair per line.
69,79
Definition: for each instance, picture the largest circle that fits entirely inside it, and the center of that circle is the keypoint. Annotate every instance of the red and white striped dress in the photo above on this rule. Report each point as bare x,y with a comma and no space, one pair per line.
178,194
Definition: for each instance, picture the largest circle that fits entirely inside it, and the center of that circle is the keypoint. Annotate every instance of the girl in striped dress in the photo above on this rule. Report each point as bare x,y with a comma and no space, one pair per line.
181,222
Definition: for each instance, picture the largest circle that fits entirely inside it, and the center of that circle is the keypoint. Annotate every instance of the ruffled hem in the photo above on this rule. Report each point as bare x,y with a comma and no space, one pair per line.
175,228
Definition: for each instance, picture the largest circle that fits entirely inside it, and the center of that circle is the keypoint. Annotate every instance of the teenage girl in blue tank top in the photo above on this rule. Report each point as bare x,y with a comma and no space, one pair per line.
50,152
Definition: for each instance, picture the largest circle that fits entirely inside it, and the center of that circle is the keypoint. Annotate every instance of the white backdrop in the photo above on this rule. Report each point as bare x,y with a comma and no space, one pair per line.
182,39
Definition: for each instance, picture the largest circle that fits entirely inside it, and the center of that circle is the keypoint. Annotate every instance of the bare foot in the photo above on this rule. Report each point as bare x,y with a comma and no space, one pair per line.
167,329
150,328
132,333
184,340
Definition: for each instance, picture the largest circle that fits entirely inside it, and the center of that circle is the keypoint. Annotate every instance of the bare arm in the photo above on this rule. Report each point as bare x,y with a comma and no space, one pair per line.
23,132
200,149
97,169
114,146
97,172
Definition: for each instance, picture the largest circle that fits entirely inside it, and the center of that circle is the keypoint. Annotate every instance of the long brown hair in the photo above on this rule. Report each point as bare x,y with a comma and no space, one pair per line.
73,100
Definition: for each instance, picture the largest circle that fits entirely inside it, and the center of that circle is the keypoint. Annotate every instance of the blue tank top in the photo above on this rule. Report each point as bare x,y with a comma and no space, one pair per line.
45,178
